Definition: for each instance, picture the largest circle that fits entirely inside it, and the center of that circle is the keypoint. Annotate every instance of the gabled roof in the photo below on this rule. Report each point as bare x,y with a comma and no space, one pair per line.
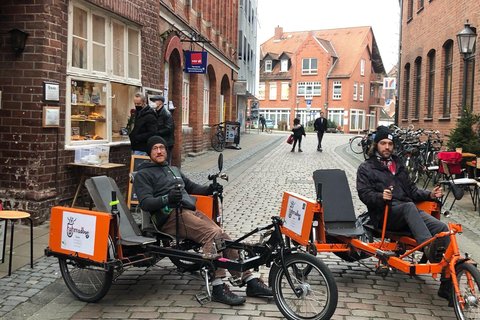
347,44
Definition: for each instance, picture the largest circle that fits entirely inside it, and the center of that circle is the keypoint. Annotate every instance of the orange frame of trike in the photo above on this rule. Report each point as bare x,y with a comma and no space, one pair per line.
80,233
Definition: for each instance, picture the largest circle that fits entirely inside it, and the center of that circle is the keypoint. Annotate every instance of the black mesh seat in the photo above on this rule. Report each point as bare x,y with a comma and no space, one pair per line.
339,214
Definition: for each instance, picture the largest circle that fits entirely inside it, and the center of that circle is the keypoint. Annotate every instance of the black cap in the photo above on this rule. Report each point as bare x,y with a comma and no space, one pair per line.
157,98
153,141
383,133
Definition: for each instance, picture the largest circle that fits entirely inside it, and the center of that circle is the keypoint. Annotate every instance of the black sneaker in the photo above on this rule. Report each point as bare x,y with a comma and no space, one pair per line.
445,291
257,288
222,294
434,251
300,150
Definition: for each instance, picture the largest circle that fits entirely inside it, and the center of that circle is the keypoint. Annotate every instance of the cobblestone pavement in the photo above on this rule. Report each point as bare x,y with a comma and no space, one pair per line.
251,199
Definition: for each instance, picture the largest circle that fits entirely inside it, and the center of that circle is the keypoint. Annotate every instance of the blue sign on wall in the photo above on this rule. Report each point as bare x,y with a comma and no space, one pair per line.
195,61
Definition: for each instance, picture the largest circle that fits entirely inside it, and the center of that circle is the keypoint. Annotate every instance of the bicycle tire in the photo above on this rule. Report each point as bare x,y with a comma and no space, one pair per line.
468,278
318,290
218,141
356,144
86,283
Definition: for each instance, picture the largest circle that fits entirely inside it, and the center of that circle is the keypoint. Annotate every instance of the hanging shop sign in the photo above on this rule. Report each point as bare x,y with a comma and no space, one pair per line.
195,61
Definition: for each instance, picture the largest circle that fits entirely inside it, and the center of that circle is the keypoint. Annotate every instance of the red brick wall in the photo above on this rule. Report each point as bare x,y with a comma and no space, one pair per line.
429,28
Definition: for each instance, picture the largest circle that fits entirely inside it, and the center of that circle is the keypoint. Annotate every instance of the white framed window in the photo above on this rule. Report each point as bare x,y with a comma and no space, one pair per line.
284,65
261,91
362,90
355,91
100,44
337,90
273,91
186,99
362,67
268,65
357,120
336,116
206,99
309,88
285,91
309,66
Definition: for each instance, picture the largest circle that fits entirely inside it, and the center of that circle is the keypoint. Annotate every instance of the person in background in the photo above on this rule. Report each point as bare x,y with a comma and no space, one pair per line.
298,131
320,125
160,189
145,125
165,124
262,121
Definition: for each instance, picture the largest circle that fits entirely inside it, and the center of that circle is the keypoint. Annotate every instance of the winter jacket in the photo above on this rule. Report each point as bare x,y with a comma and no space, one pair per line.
153,182
165,126
320,124
298,131
373,177
145,127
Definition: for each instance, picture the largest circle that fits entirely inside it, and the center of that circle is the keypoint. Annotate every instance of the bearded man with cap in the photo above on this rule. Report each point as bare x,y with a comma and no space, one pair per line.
160,189
383,178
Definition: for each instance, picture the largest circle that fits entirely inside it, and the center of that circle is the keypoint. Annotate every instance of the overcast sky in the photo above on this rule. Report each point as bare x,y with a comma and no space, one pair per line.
300,15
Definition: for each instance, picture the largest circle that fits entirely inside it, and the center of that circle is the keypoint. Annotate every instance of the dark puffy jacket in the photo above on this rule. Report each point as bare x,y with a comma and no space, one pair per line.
165,126
153,182
145,127
298,131
373,177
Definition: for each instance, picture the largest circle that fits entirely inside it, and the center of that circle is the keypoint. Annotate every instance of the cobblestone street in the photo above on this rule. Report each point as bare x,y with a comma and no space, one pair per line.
252,196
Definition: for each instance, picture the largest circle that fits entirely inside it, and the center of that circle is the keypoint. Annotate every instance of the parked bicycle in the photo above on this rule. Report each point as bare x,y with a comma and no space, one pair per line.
218,137
361,144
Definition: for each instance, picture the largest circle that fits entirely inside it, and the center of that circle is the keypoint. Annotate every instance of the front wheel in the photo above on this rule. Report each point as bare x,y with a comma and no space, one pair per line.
218,141
356,145
313,296
468,278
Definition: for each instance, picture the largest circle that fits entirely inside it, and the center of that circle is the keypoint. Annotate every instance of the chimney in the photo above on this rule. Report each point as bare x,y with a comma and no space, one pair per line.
278,33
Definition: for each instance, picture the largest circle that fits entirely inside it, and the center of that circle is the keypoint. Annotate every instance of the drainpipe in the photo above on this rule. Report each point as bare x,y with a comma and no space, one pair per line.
397,102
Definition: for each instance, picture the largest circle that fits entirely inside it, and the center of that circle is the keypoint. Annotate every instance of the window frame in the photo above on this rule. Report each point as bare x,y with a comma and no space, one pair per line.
310,88
284,96
418,88
269,64
362,67
361,93
186,99
261,96
406,91
431,83
337,84
309,70
355,91
272,88
284,65
447,78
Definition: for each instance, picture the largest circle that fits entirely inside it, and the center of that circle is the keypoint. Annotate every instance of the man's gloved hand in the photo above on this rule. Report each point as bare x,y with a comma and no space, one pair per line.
174,196
218,188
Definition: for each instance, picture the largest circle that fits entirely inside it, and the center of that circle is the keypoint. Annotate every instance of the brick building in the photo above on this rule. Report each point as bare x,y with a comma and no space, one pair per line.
337,70
431,67
86,59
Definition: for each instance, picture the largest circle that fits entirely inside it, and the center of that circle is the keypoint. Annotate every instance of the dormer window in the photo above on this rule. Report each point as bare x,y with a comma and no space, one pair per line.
284,65
268,65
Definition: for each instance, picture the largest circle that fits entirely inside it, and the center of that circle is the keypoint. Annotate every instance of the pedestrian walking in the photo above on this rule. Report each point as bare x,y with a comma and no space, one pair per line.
145,125
165,124
298,131
320,125
262,121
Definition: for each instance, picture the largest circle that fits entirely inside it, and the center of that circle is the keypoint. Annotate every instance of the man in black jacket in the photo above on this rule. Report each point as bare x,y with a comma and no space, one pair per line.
145,125
165,124
160,188
320,125
383,178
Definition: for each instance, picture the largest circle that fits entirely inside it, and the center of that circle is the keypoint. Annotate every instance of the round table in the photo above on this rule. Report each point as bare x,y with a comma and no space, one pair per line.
12,216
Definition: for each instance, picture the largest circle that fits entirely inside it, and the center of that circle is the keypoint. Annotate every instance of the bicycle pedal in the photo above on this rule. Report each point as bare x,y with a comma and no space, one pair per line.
237,282
203,298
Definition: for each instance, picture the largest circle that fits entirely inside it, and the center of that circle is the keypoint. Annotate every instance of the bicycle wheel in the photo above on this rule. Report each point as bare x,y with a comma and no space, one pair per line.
356,144
86,282
468,278
315,295
218,142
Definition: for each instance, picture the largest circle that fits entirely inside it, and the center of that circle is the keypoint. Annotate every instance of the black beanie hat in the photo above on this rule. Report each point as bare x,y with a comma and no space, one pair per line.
153,141
383,133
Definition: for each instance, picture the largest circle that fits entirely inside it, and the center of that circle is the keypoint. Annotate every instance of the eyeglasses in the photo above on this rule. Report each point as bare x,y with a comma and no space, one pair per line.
159,148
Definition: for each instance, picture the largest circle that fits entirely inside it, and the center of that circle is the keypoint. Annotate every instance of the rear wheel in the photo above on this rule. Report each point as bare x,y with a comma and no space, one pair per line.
86,282
313,296
468,278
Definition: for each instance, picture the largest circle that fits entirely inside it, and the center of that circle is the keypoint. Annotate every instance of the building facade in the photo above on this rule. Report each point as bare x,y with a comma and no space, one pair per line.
433,73
72,84
338,71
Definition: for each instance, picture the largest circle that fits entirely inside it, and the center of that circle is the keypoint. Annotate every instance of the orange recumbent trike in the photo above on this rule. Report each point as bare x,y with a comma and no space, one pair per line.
329,224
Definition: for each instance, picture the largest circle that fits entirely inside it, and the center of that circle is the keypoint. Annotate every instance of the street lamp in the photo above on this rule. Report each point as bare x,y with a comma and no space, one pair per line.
466,44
